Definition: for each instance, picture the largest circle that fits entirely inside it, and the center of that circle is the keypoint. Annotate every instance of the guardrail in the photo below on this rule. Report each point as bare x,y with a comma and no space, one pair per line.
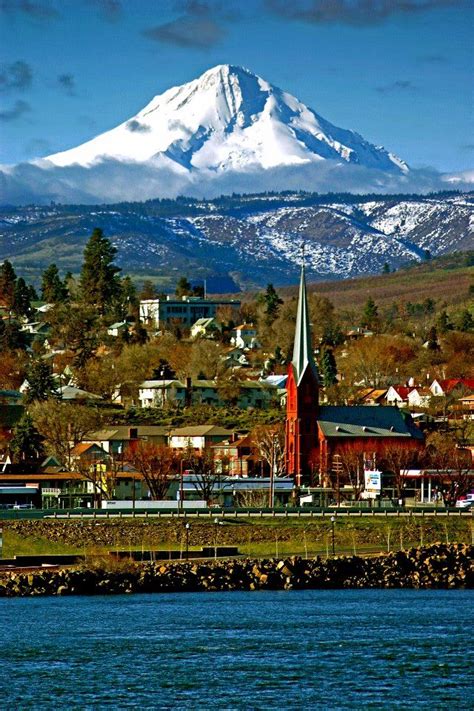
229,513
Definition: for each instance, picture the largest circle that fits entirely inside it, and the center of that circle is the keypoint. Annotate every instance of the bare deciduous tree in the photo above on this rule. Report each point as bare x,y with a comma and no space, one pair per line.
452,463
158,465
352,466
397,460
63,425
206,476
270,444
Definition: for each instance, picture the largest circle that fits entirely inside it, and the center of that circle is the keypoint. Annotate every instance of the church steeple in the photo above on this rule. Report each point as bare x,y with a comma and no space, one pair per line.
302,348
302,397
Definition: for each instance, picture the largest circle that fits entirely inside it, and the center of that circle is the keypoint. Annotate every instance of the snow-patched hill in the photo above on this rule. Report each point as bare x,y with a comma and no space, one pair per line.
228,120
245,241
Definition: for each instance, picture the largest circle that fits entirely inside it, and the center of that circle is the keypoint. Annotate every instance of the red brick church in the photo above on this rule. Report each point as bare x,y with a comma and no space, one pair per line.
316,433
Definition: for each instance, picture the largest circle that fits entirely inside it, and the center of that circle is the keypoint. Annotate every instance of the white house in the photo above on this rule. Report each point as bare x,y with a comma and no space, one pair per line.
398,395
116,329
198,437
157,393
245,336
419,397
445,387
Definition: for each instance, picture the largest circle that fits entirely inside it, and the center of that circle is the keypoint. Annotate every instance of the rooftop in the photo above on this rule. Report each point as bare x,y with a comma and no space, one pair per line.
200,431
366,421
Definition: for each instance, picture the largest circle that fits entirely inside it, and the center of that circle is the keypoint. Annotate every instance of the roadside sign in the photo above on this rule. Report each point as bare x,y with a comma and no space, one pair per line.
373,480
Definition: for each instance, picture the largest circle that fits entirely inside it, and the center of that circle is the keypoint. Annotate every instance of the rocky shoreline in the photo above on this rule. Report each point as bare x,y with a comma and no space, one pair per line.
437,566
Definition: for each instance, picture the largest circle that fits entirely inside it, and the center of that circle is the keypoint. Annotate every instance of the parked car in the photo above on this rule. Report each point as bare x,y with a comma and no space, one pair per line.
465,502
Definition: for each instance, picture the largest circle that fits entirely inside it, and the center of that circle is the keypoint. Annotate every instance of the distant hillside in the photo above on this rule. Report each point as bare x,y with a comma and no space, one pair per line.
446,280
242,242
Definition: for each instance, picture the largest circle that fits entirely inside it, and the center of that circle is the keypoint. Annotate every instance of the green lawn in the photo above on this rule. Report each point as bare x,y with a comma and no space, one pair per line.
254,537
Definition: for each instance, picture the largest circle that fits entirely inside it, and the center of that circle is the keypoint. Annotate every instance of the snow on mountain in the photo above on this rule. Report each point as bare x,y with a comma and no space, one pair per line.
229,120
250,240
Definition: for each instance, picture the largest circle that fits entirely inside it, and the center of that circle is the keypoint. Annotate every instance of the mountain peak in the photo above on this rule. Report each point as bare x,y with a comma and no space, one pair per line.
229,119
224,70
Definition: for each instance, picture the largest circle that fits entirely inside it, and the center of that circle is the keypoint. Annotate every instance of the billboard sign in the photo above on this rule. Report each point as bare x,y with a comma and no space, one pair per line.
373,480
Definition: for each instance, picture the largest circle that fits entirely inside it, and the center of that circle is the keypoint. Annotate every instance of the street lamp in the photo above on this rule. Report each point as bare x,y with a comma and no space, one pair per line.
181,486
187,526
217,523
333,521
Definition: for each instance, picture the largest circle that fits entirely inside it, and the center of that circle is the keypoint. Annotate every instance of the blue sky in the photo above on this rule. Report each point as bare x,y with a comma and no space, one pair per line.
400,72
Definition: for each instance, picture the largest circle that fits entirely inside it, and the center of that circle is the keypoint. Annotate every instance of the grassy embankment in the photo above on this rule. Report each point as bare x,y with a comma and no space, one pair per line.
254,537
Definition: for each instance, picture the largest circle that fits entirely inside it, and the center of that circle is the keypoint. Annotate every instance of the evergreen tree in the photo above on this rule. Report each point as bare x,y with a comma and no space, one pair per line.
53,289
100,285
433,339
386,268
443,323
41,384
370,314
429,306
7,284
27,444
272,303
32,292
183,287
11,338
21,299
198,290
328,367
139,334
128,297
466,322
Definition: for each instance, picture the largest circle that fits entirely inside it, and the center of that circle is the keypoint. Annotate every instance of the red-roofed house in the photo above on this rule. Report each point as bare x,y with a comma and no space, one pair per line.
398,394
445,387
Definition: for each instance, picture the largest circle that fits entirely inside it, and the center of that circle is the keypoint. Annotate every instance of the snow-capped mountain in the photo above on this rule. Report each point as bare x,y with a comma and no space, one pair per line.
245,241
229,120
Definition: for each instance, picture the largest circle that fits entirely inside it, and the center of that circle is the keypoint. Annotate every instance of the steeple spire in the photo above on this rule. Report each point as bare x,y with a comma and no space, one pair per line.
302,349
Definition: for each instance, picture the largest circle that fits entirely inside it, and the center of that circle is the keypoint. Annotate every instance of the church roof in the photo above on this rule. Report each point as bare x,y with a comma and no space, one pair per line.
366,421
302,349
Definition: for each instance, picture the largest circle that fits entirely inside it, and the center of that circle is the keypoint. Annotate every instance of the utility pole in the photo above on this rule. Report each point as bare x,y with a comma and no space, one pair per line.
187,526
337,469
273,471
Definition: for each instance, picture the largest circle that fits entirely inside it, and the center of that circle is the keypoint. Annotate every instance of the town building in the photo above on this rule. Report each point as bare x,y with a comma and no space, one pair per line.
198,437
118,440
318,437
159,393
184,311
238,457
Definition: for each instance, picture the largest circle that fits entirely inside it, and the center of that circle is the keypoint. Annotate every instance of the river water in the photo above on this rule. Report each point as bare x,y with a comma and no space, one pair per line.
349,649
